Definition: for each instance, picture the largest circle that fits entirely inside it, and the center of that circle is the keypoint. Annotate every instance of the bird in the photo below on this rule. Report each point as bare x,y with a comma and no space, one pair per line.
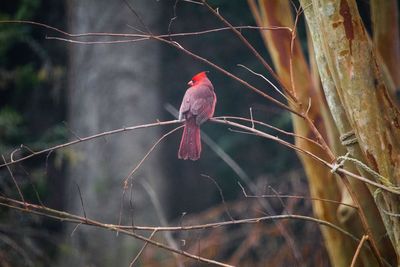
197,107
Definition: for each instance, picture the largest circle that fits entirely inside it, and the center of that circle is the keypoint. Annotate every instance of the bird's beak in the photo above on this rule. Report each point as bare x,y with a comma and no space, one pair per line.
190,83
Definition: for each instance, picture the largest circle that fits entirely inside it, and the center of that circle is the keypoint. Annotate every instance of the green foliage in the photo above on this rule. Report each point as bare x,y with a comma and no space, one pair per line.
27,78
10,123
21,80
27,9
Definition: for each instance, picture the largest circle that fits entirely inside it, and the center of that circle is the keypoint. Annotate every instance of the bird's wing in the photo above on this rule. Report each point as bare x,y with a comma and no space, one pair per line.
197,106
206,111
203,106
185,106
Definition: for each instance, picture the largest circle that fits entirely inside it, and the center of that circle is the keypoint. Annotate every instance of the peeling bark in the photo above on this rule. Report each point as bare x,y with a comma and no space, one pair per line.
357,94
278,13
358,98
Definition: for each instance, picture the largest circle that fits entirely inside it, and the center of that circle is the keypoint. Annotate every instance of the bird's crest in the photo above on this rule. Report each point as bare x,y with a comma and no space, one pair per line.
199,76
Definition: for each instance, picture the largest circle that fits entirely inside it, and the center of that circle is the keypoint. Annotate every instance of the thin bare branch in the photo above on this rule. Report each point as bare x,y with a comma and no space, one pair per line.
142,249
179,47
360,244
221,195
81,199
250,47
269,126
294,197
298,149
149,152
83,139
163,221
224,121
137,15
143,35
14,180
268,81
68,217
125,182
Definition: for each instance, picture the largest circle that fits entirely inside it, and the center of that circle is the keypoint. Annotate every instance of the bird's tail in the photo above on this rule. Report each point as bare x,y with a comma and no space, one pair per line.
190,147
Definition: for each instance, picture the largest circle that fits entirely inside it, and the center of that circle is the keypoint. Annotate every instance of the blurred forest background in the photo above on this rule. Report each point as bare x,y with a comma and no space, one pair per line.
53,91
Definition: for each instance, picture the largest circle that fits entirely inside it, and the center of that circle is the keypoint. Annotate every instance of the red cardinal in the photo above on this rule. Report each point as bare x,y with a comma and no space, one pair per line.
197,106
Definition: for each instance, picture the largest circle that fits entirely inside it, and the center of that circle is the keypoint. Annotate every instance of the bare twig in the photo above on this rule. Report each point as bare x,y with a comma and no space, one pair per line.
294,197
269,126
137,16
142,249
221,195
80,197
143,36
68,217
125,182
163,221
268,81
229,74
217,150
83,139
292,42
251,117
277,195
224,121
360,244
149,152
250,47
176,45
175,16
305,152
14,180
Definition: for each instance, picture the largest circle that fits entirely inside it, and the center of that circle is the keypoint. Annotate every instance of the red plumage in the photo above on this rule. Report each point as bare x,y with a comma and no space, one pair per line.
197,106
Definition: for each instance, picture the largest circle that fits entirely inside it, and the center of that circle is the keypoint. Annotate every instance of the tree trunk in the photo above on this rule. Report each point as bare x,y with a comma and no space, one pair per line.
359,102
110,86
347,67
277,13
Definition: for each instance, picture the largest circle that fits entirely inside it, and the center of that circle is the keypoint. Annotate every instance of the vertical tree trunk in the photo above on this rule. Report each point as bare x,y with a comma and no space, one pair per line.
278,13
110,86
359,101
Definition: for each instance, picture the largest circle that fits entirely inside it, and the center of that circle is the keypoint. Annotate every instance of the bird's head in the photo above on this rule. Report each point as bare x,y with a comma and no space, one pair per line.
198,78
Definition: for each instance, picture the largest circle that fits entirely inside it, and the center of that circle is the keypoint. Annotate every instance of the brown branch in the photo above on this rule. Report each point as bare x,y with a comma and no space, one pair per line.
303,115
14,180
292,43
142,249
204,60
229,74
250,47
143,36
68,217
164,39
295,197
221,195
298,149
360,244
224,121
83,139
149,152
140,164
269,126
